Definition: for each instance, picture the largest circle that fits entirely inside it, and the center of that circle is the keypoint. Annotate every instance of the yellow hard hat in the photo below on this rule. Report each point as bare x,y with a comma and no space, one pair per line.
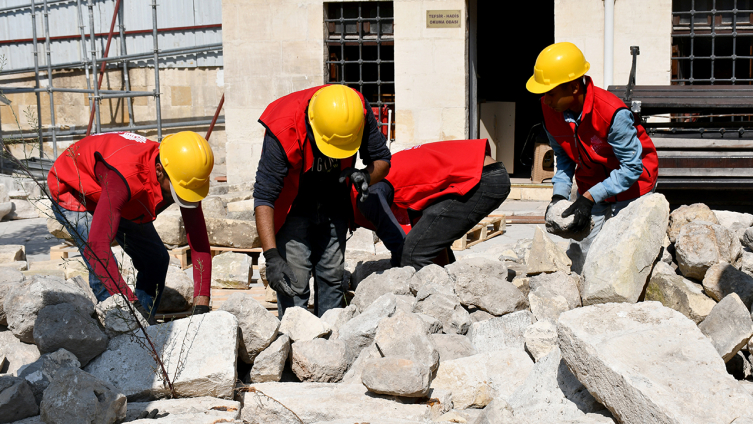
557,64
188,160
337,120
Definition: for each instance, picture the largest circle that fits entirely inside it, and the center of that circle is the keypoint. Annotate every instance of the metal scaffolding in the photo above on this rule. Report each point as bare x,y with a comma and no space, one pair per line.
94,76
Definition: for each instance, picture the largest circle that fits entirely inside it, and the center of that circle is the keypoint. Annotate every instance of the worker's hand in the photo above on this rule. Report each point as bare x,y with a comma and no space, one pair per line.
360,179
581,208
279,274
556,198
150,415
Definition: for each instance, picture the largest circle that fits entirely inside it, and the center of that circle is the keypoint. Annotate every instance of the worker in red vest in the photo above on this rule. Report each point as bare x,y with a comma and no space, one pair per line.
593,129
301,204
111,187
433,195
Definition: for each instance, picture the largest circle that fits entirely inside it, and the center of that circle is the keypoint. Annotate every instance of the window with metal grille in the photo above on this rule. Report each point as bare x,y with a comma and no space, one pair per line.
712,42
361,54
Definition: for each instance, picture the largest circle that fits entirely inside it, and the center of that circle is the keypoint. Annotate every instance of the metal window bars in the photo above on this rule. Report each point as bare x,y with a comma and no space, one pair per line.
360,35
89,63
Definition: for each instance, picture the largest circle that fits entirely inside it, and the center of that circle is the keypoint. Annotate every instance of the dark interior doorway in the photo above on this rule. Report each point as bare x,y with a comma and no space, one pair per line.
509,37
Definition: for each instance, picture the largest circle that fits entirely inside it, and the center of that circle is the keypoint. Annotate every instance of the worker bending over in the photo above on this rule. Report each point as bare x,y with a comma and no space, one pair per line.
111,187
301,204
593,129
436,193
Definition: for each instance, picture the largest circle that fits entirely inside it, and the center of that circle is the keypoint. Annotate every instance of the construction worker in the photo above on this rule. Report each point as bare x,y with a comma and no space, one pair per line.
111,187
593,129
301,204
434,194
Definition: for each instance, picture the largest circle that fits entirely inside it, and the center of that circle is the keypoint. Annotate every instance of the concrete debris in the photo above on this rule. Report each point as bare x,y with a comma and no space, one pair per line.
257,325
680,294
393,281
729,326
76,396
301,325
686,214
546,256
270,363
557,225
397,377
500,332
722,279
16,399
231,270
702,244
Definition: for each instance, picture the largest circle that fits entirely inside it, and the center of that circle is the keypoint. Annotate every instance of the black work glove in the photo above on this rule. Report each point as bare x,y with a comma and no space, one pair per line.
581,208
279,274
150,414
360,179
200,309
556,198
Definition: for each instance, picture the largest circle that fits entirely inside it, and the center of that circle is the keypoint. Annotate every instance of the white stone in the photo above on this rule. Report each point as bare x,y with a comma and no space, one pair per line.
300,325
722,279
258,325
17,353
397,377
270,363
169,226
680,294
500,332
12,253
727,218
199,410
546,256
404,335
319,360
116,317
540,339
701,244
231,270
393,281
686,214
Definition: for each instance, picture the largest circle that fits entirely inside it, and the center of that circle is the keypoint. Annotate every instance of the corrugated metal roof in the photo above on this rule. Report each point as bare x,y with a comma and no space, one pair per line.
137,15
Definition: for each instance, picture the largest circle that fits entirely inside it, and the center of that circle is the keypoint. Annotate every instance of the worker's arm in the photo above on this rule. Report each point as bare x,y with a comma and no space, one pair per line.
378,170
374,151
563,178
104,226
265,226
201,257
270,176
626,145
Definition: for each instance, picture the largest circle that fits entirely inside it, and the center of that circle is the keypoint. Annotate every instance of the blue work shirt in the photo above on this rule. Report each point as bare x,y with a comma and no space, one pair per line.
624,140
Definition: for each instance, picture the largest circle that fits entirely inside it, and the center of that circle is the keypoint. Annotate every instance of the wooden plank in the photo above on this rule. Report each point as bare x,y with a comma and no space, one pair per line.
61,251
480,232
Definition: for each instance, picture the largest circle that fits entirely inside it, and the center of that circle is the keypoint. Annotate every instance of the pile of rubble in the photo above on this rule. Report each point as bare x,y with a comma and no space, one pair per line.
655,329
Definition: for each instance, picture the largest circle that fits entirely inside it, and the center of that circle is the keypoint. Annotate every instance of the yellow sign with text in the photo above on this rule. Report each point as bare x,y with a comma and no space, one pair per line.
442,19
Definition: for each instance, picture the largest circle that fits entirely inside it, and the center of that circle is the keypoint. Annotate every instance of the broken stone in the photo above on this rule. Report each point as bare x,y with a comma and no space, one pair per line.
213,207
361,241
482,283
62,326
722,279
546,256
393,281
475,380
359,332
628,245
241,206
16,399
208,367
231,270
540,338
57,229
431,324
302,325
17,266
319,360
355,372
270,363
405,303
397,377
501,332
39,373
258,326
17,353
729,326
12,253
116,317
452,346
358,267
497,411
680,294
169,226
22,209
701,245
9,279
686,214
177,295
336,317
431,274
479,315
445,308
403,335
746,262
523,284
76,396
237,233
552,294
621,353
662,267
200,410
557,225
728,218
747,239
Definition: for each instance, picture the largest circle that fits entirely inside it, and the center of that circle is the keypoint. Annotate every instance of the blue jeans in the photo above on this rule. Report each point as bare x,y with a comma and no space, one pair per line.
140,241
313,244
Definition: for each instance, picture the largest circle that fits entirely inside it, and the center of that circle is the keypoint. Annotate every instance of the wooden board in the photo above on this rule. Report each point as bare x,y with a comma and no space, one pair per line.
484,230
183,254
62,251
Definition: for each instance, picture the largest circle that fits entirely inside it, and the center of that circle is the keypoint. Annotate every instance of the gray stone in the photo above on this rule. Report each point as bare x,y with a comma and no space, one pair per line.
482,283
17,353
729,326
5,209
497,411
552,294
405,303
232,233
452,346
169,226
662,267
55,228
622,354
404,335
500,332
200,410
479,315
680,294
432,325
431,274
270,363
546,256
22,209
355,372
336,317
42,371
319,360
628,245
76,396
686,214
728,218
747,239
9,279
746,262
359,332
397,377
475,380
362,241
231,270
557,225
701,245
213,207
116,317
258,326
722,279
82,284
199,354
302,325
63,326
445,308
360,266
523,284
12,253
540,338
177,295
16,399
25,301
393,281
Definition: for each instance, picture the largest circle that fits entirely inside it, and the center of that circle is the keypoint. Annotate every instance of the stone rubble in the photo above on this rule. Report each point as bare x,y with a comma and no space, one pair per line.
557,225
729,326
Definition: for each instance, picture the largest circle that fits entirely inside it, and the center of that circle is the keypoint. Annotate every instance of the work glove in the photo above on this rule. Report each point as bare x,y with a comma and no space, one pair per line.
556,198
360,180
279,274
150,415
581,208
200,309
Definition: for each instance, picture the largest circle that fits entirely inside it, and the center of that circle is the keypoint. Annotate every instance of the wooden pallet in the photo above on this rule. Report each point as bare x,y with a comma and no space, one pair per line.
484,230
183,254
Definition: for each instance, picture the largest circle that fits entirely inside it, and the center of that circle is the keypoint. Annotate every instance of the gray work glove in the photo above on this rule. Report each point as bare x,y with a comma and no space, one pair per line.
150,415
279,273
360,179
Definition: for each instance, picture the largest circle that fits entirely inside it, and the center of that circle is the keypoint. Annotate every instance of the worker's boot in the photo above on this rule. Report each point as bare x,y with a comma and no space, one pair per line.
142,311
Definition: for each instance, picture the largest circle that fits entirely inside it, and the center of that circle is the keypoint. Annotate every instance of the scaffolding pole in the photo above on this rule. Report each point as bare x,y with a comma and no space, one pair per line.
95,99
84,60
104,55
49,80
180,124
126,78
156,71
36,77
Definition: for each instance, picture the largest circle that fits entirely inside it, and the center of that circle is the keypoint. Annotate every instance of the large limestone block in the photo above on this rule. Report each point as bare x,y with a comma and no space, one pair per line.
12,253
452,346
475,380
169,226
444,307
232,233
16,399
359,332
680,294
500,332
27,299
9,280
393,281
258,325
686,214
199,354
17,353
241,206
62,326
302,325
200,410
483,283
701,245
404,335
722,279
319,360
729,326
40,373
76,396
648,363
231,270
270,363
396,377
546,256
625,251
326,403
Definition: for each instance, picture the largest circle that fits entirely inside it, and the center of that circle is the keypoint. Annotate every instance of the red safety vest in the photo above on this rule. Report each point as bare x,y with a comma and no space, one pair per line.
586,144
74,185
285,119
425,173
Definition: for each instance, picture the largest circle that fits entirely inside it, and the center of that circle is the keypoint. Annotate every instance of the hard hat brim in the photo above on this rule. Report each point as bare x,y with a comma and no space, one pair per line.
190,195
338,152
536,87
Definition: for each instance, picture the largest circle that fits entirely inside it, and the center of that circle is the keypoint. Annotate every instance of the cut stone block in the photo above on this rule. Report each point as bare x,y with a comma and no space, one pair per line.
729,326
200,410
680,294
22,209
231,270
546,256
232,233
